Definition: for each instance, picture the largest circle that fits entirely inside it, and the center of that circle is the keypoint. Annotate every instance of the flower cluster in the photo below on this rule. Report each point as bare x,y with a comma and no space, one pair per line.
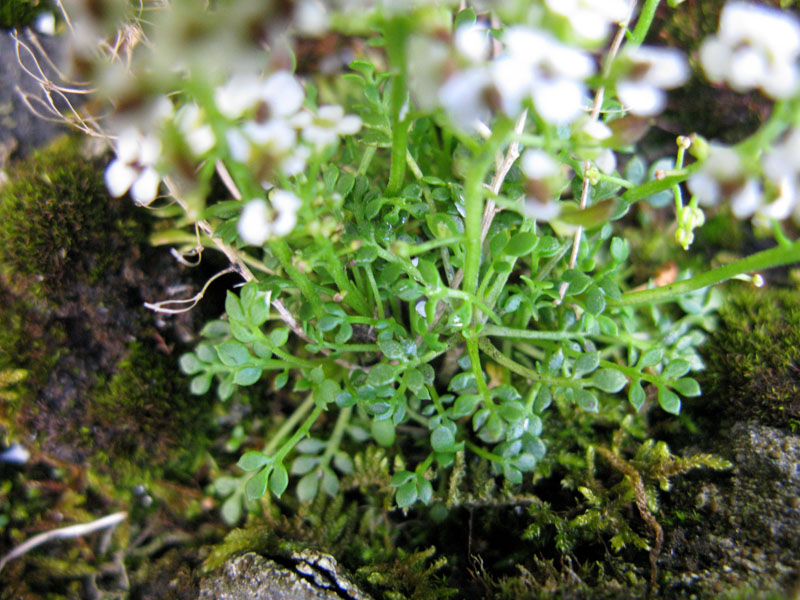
755,47
265,125
648,71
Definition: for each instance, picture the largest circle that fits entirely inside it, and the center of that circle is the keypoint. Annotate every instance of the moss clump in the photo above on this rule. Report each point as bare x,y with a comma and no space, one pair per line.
58,224
753,358
145,413
19,13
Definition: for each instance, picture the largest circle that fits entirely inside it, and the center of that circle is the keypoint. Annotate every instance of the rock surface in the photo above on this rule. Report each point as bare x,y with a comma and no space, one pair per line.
310,576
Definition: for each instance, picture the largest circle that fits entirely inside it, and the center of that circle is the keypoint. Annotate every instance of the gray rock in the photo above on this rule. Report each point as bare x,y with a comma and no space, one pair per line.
309,575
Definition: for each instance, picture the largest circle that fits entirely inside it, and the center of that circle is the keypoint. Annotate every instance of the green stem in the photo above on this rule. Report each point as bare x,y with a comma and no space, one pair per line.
374,287
336,436
527,334
519,369
475,363
483,453
396,31
352,296
644,22
765,259
473,203
299,434
289,424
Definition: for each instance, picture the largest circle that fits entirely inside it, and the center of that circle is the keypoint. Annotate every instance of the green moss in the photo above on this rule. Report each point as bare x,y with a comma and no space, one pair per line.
145,413
19,13
752,359
59,224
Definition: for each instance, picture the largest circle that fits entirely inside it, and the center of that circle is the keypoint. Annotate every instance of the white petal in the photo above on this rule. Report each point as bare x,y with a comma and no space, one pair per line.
462,96
715,56
127,145
201,140
275,135
472,42
781,80
285,223
705,187
513,80
145,188
560,101
668,69
348,125
237,95
45,23
310,17
283,93
238,145
119,178
253,226
149,150
784,204
542,211
296,162
538,164
747,200
641,98
285,201
747,69
606,161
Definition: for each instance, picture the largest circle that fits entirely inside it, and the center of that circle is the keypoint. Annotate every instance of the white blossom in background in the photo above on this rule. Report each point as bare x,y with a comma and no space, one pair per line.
781,165
537,65
429,62
259,221
541,170
324,128
650,71
755,47
311,17
473,42
464,97
198,134
134,166
721,170
591,19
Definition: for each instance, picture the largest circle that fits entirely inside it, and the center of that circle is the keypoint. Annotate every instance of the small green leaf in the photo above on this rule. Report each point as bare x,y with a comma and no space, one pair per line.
675,369
330,483
512,412
587,401
586,364
463,383
247,376
278,480
252,460
231,510
619,249
281,380
595,300
425,490
225,388
190,364
233,353
406,494
687,387
636,395
225,486
233,307
442,439
328,322
326,393
464,406
383,432
401,478
304,463
650,358
465,18
543,400
381,374
200,384
278,336
521,244
391,349
578,281
257,485
669,400
308,486
242,332
408,290
343,462
609,380
344,334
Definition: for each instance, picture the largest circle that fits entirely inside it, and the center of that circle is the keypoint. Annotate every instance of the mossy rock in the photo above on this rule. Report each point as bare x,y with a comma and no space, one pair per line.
58,223
752,361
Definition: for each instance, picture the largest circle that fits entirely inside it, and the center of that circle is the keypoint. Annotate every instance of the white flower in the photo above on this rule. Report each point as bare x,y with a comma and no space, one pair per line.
722,169
464,96
591,19
537,64
199,135
606,161
755,47
311,17
650,70
542,170
287,205
472,42
428,60
746,200
134,167
280,95
324,128
254,226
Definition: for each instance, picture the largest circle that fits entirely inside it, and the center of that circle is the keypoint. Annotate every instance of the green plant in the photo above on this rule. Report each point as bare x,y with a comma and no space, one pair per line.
406,277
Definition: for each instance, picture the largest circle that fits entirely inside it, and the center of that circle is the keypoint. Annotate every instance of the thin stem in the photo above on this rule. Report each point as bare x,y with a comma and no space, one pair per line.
644,22
336,436
284,255
765,259
288,425
299,434
527,334
396,31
